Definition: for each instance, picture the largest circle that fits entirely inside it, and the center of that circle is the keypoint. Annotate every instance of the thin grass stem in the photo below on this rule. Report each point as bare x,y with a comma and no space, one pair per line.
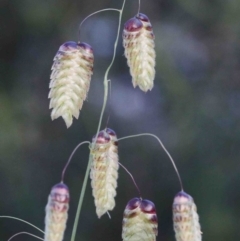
164,148
70,158
139,6
129,173
21,220
105,84
24,233
90,15
81,200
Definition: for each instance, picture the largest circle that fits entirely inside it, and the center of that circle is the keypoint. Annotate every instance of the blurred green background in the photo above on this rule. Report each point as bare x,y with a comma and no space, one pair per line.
194,108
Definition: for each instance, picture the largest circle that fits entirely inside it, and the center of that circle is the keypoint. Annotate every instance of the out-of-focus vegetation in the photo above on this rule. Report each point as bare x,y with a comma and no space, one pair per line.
194,107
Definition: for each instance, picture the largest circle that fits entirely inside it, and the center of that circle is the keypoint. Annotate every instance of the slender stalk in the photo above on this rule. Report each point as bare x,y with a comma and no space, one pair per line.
139,6
30,234
105,84
164,148
130,174
21,220
70,158
81,200
90,15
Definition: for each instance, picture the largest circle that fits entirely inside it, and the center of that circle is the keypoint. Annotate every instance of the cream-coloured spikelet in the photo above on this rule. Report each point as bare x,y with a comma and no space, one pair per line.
185,218
56,213
138,42
140,221
70,80
104,170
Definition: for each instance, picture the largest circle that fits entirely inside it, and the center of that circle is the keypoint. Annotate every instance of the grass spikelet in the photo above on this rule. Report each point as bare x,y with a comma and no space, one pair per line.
104,171
185,218
138,42
70,80
139,221
56,213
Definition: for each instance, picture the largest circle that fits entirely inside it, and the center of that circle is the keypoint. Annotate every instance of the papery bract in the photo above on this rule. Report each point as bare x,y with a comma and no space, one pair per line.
56,213
138,43
70,80
104,170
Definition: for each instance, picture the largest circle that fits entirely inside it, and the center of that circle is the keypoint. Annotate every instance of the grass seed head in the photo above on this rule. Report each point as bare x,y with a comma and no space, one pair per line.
138,43
56,213
140,221
70,80
104,170
185,218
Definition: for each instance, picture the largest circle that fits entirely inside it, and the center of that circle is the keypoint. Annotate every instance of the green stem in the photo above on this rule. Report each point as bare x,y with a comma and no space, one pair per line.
21,220
20,233
81,200
163,147
105,84
102,10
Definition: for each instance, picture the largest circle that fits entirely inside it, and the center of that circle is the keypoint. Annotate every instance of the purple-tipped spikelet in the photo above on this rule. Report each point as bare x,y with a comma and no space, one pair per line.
185,218
70,80
140,221
104,170
56,213
138,42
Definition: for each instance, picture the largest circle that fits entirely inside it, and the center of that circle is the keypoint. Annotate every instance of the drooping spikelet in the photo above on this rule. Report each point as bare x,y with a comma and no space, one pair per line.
56,213
70,80
104,170
139,221
138,42
185,218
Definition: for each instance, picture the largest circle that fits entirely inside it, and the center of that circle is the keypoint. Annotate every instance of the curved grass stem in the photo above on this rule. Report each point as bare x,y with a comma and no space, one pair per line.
164,148
105,81
20,233
21,220
90,15
70,158
105,98
81,200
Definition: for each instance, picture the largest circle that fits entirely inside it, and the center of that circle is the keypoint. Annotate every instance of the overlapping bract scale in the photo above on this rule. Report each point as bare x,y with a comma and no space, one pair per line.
185,218
104,170
140,221
70,80
56,213
138,43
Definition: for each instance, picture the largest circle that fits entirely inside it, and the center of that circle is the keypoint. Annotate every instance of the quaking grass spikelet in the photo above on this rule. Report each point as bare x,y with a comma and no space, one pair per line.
139,221
70,80
104,170
185,218
138,42
56,213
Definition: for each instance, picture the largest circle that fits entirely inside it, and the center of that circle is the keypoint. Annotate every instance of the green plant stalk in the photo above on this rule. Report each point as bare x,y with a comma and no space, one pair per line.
21,220
20,233
163,147
105,84
81,199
